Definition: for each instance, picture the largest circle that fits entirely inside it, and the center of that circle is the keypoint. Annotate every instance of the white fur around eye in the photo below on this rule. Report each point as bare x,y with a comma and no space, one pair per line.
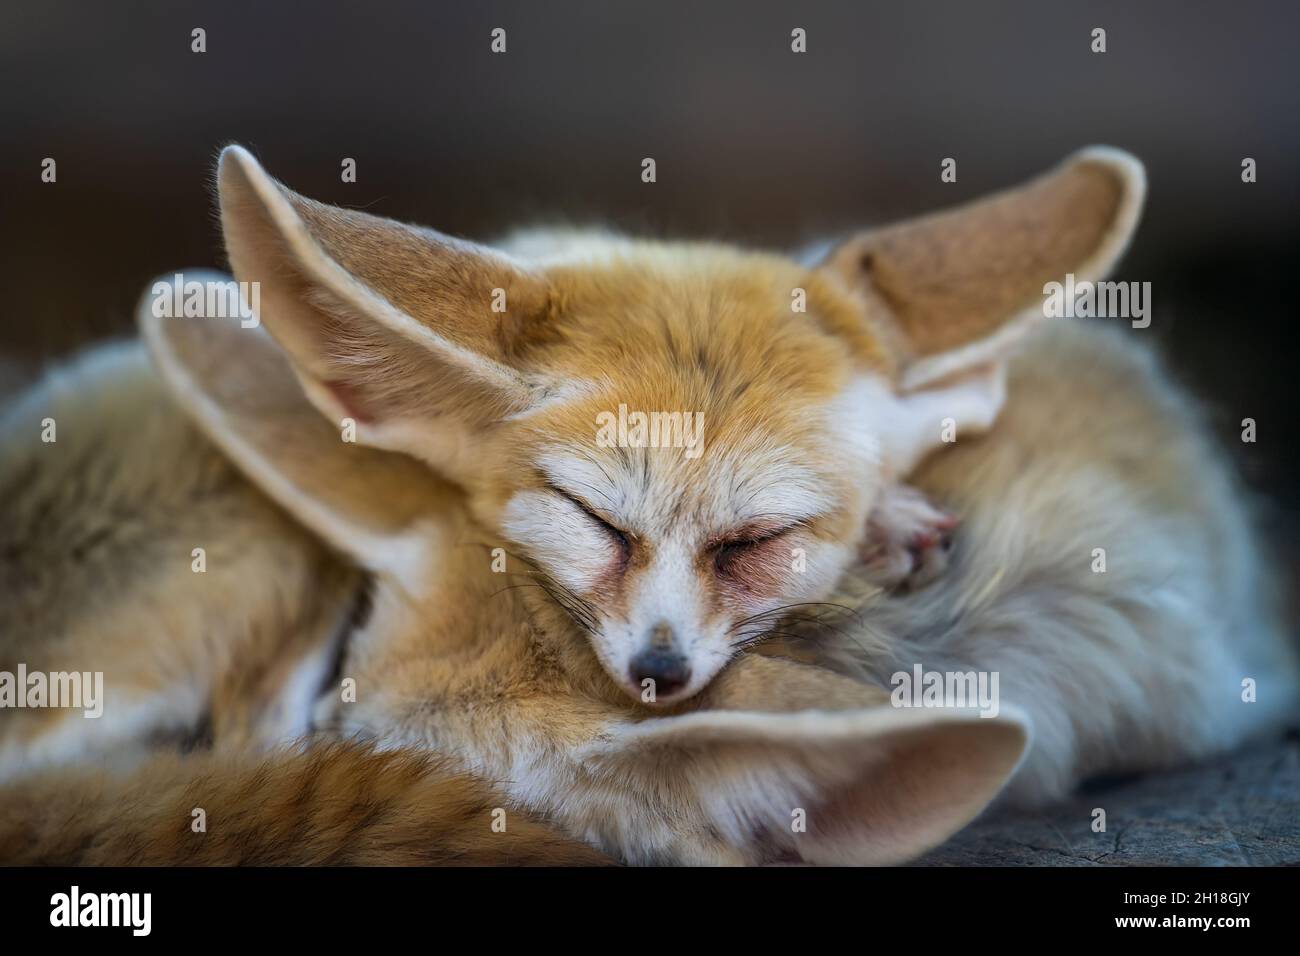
567,543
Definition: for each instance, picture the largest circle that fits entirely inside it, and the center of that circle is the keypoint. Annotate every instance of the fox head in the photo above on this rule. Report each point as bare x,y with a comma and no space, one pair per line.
675,442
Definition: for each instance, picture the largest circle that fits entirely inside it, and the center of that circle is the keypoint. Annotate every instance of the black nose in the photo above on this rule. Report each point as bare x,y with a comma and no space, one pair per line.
668,669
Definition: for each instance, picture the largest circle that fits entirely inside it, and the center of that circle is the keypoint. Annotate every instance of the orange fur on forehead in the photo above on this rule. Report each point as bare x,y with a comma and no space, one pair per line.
698,322
704,329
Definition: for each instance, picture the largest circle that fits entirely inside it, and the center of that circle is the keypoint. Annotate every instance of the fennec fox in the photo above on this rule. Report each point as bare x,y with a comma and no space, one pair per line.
776,760
499,401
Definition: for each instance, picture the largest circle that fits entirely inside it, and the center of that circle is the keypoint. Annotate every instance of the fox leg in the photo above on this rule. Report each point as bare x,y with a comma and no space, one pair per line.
908,540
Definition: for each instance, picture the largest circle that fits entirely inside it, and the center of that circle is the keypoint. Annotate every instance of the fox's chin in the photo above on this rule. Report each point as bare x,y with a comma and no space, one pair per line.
659,700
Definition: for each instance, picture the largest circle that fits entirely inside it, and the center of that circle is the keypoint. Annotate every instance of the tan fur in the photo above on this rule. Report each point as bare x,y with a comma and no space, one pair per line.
463,673
335,805
96,569
1136,668
954,277
497,672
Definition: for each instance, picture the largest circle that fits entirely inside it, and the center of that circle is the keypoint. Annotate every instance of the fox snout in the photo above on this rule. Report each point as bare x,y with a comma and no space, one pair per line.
661,662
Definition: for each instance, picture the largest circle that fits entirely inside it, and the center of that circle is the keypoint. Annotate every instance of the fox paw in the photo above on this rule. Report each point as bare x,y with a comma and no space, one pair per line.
909,540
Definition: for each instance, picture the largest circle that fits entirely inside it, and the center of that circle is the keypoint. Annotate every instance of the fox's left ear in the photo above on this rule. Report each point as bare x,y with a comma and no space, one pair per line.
951,293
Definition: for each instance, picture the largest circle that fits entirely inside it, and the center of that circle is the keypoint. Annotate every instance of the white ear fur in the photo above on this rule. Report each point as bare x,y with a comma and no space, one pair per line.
911,424
876,786
238,387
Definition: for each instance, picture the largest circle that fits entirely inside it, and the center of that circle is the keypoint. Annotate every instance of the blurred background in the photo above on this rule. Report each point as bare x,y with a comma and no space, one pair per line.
753,143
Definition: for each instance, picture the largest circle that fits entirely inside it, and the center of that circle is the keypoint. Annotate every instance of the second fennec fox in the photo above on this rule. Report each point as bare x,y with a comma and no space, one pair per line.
479,429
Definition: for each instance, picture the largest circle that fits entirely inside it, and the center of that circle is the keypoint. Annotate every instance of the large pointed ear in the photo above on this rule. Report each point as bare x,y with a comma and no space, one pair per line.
953,292
237,386
813,767
410,333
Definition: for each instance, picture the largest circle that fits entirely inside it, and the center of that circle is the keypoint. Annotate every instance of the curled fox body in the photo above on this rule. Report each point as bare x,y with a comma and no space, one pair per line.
615,636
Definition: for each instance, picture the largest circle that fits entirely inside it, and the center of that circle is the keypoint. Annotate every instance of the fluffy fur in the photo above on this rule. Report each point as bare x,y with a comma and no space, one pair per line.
476,432
460,671
96,572
334,805
1136,668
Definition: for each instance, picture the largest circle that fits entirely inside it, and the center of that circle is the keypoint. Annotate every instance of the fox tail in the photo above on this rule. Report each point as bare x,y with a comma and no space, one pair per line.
345,804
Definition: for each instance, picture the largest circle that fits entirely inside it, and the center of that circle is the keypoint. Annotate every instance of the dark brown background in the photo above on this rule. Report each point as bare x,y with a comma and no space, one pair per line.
752,142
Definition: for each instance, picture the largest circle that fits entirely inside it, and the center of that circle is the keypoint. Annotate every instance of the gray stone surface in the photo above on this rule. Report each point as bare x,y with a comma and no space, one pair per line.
1243,810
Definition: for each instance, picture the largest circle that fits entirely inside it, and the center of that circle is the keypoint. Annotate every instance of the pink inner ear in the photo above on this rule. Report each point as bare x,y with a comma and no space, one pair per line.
347,395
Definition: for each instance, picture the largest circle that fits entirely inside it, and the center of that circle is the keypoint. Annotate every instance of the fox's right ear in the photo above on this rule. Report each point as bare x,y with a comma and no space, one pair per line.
413,335
235,383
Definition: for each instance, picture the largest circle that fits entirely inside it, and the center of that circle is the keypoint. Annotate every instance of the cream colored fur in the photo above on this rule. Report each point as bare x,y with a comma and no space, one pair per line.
1136,668
99,527
457,670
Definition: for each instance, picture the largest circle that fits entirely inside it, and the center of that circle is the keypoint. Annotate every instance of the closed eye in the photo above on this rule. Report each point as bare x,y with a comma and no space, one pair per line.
731,553
620,537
